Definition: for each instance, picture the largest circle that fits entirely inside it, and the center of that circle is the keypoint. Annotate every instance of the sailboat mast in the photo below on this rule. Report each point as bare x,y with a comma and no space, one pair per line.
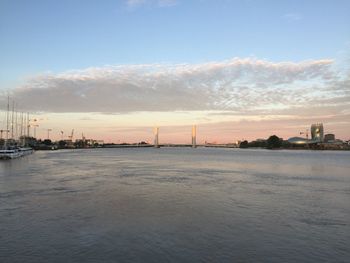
28,124
7,120
16,124
21,130
12,119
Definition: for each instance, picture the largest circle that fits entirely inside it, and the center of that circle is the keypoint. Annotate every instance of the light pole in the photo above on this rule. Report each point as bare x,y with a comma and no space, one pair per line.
48,133
32,123
35,125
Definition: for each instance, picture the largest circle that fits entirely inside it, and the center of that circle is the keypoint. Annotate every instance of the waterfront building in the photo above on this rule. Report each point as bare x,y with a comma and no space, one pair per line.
317,132
298,140
329,137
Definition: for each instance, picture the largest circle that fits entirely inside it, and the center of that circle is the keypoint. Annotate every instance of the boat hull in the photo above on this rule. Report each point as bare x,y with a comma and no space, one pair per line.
15,153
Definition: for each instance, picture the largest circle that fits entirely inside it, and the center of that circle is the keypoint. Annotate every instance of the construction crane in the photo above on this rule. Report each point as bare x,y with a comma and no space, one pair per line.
71,135
83,139
306,133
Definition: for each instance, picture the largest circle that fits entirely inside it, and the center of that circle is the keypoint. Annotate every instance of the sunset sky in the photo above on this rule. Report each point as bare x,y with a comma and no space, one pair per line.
237,69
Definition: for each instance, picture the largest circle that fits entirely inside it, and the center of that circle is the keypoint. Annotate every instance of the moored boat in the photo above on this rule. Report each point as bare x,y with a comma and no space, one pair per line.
25,150
10,148
13,153
10,154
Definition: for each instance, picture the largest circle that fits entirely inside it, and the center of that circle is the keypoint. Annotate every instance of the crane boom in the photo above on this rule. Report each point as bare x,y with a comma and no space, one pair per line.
71,135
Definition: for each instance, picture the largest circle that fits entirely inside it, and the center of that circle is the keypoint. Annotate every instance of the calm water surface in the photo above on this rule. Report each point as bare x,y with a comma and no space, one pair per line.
176,205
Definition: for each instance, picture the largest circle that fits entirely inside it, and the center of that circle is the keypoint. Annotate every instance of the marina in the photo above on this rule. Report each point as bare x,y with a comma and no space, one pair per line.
15,143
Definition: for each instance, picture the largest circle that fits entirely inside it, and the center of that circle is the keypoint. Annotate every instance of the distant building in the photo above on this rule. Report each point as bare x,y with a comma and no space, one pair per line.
329,137
298,140
317,132
100,142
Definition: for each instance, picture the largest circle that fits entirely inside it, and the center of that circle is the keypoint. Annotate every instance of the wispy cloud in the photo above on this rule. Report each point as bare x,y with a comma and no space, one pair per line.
238,86
292,17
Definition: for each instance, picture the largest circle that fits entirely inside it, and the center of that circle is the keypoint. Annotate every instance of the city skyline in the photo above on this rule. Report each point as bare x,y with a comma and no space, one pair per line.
115,70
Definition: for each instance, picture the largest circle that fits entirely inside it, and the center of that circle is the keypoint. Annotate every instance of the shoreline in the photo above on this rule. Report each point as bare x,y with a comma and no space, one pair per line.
198,146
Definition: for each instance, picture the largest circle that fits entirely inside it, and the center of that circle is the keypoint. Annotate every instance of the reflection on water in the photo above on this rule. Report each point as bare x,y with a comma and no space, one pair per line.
175,205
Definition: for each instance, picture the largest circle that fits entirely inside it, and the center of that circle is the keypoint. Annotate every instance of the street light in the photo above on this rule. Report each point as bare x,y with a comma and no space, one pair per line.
32,123
35,126
48,133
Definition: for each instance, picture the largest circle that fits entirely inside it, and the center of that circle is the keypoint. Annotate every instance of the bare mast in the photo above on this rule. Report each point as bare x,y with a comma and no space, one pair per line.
7,120
12,119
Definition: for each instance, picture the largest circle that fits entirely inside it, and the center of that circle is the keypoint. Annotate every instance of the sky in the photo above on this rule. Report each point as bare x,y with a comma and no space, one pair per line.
237,69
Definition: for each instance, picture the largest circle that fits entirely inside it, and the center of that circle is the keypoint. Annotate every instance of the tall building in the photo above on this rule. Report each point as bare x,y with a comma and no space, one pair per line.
317,132
194,135
156,137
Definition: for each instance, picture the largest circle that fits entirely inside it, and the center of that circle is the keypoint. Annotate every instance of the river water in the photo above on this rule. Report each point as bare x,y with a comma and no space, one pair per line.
176,205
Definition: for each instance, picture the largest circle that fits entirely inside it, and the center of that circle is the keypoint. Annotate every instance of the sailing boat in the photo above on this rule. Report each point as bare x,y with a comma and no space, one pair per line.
11,150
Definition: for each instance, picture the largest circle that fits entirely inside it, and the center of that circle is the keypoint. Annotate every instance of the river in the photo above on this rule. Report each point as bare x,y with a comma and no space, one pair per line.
176,205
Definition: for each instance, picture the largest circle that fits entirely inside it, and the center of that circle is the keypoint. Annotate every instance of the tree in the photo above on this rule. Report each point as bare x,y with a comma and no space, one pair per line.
260,144
243,144
47,142
62,144
274,142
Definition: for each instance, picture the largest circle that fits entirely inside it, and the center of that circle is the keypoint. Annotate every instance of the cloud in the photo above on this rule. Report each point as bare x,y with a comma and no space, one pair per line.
292,17
239,86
